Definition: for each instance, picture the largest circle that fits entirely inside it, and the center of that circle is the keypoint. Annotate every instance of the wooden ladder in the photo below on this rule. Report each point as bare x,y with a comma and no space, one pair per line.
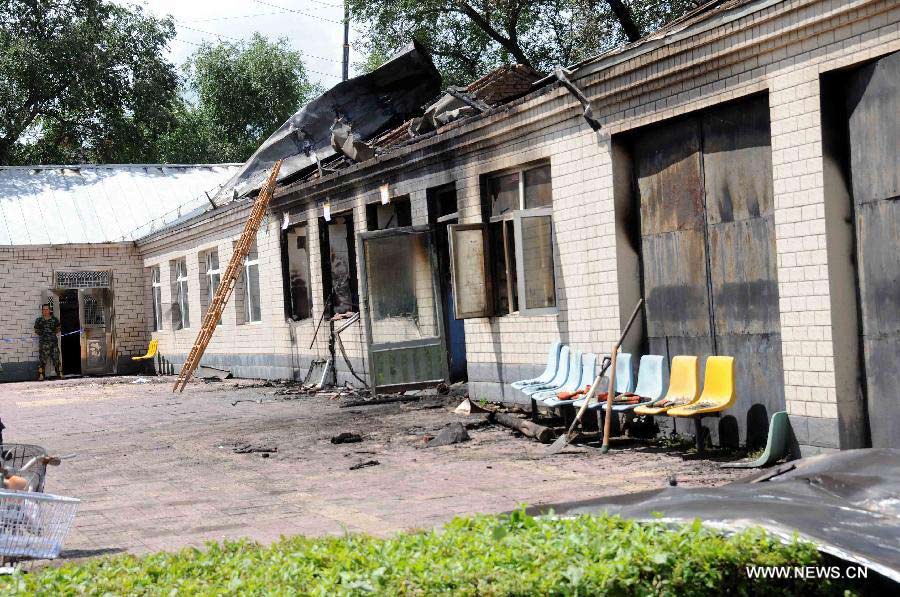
229,279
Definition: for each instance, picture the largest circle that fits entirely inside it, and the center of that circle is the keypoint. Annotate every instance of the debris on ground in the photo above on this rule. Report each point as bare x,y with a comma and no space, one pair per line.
346,438
527,428
365,464
468,407
453,433
239,447
208,374
141,380
380,400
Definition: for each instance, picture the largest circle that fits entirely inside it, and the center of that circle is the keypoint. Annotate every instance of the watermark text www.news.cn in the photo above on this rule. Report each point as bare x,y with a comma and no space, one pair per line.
808,572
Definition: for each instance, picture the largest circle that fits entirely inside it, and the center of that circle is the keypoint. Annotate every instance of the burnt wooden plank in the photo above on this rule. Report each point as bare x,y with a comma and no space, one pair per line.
744,277
873,106
675,284
667,166
737,161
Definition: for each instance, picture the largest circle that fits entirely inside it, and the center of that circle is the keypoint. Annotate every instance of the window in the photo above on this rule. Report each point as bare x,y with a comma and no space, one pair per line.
507,265
397,213
181,318
156,290
210,278
295,248
252,310
338,253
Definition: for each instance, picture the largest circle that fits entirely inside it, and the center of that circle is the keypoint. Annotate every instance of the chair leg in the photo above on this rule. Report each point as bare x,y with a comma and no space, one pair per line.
698,433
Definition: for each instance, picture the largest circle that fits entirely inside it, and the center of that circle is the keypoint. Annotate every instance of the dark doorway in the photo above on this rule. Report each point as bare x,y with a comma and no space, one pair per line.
70,345
442,211
338,253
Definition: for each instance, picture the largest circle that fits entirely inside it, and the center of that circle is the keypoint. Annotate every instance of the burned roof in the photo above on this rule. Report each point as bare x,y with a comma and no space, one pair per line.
51,205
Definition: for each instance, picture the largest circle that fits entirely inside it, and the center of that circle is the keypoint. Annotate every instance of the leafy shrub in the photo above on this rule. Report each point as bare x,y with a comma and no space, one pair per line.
483,555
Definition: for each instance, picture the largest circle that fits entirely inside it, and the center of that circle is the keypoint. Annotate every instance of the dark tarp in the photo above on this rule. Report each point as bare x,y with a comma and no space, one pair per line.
847,503
369,103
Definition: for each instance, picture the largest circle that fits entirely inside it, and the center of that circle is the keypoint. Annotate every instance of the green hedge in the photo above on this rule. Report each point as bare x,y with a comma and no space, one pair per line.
483,555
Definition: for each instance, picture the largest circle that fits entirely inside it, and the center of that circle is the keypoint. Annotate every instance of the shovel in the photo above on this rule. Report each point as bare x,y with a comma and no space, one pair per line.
569,436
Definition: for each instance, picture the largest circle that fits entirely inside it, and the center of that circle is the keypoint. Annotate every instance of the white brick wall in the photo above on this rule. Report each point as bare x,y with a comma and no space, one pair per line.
25,272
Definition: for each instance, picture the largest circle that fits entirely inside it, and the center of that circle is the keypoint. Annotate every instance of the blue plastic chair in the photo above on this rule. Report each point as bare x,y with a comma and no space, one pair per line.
588,372
649,383
562,373
549,370
571,382
624,379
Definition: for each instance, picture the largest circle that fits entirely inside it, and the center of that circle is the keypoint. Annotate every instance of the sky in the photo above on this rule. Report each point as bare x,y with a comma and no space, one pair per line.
311,26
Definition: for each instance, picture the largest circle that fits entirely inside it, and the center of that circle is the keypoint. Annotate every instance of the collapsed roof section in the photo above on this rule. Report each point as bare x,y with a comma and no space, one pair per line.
369,104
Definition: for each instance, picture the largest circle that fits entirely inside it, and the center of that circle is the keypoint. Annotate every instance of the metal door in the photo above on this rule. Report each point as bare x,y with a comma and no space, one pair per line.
402,307
98,350
873,106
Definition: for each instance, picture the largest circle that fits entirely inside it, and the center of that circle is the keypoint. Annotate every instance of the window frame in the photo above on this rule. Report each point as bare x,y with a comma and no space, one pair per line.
156,297
182,294
515,216
534,212
211,274
248,293
286,271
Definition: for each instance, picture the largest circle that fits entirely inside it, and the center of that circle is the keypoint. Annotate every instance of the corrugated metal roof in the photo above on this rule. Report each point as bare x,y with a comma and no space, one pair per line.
52,205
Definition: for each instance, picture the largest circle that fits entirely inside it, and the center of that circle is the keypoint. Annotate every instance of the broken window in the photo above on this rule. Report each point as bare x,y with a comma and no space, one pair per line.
295,248
339,263
156,290
507,265
396,214
180,308
210,278
252,309
401,288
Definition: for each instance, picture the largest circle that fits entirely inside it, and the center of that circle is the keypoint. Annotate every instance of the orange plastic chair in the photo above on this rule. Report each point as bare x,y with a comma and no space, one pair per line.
684,387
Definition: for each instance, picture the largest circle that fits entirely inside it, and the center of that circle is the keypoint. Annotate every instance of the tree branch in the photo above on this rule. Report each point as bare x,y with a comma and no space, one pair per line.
485,26
625,18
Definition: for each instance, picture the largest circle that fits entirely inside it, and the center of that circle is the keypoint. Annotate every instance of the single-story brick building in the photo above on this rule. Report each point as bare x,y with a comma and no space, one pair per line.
737,169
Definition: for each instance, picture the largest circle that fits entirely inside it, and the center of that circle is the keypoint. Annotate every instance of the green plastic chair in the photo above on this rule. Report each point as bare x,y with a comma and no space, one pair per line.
776,445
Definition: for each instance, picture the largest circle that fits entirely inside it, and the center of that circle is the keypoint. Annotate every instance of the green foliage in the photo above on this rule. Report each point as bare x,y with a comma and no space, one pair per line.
484,555
237,94
468,39
82,80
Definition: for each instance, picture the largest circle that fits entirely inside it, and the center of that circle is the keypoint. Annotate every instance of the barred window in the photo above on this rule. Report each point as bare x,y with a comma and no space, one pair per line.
181,318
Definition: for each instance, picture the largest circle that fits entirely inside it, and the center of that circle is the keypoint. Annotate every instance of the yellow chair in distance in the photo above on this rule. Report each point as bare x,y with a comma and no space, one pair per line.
683,387
718,390
151,353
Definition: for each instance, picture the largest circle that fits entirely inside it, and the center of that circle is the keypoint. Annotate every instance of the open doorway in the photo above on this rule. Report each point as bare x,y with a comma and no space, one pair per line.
442,211
70,344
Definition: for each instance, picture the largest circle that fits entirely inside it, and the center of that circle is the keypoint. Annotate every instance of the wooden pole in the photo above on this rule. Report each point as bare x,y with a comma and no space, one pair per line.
611,391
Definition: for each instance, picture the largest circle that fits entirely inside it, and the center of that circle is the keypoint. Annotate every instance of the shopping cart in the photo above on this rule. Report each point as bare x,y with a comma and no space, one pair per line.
18,459
33,526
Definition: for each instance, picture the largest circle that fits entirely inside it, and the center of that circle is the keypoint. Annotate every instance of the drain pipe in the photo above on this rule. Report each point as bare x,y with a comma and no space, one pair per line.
561,75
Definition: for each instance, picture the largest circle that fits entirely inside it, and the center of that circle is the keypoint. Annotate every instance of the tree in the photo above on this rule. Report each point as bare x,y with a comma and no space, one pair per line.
236,95
82,80
469,38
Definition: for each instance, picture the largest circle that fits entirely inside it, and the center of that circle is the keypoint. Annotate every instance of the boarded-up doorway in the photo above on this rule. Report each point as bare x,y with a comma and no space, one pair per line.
702,192
861,133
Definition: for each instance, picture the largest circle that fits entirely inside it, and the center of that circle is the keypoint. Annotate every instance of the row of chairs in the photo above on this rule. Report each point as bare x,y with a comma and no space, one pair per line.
569,373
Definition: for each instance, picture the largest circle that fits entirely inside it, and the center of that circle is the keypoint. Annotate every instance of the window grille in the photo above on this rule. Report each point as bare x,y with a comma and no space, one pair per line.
96,279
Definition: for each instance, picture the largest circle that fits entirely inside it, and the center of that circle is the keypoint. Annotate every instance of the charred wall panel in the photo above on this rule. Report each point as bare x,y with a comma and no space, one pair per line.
873,108
673,249
708,256
737,168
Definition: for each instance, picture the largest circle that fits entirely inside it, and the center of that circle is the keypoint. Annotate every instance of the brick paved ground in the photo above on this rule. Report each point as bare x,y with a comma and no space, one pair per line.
152,473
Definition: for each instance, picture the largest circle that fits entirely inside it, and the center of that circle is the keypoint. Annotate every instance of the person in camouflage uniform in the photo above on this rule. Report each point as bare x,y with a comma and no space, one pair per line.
45,328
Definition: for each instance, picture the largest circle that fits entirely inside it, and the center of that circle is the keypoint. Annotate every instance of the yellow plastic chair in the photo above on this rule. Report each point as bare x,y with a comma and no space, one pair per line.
718,390
151,353
683,387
